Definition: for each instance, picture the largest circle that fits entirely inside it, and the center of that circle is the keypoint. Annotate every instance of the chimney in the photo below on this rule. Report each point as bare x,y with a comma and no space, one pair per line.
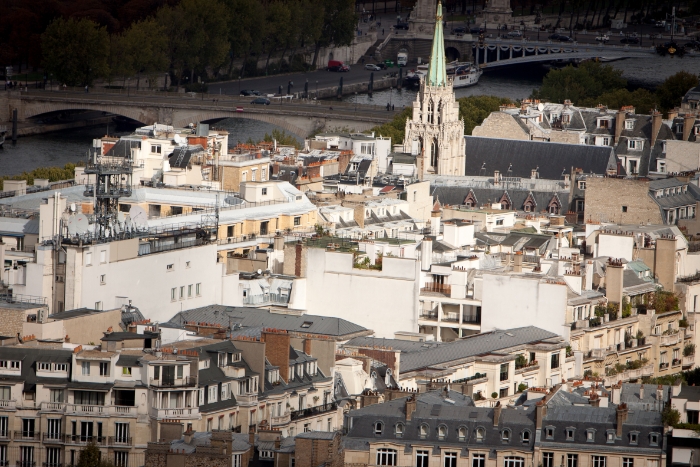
655,126
533,174
594,400
435,218
251,435
497,413
641,392
518,262
616,390
540,412
613,280
619,124
676,388
665,267
410,407
277,350
660,396
589,275
426,254
673,113
496,177
621,418
279,243
688,122
189,434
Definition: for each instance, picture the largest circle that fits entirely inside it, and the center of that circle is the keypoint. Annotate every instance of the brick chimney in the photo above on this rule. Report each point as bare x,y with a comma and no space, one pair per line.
688,122
621,418
518,262
497,413
251,436
619,124
410,407
655,126
540,412
613,280
641,392
659,395
277,350
594,400
665,267
616,389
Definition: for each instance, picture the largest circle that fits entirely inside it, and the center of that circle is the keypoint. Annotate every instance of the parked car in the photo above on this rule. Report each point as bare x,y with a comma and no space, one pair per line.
403,26
602,38
692,45
249,92
555,37
476,30
565,39
629,40
515,33
459,30
261,101
660,24
372,66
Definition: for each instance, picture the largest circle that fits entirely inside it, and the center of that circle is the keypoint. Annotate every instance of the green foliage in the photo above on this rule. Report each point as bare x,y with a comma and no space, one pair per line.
282,138
53,174
674,88
90,457
142,48
670,416
75,51
494,395
689,350
626,308
587,81
395,128
643,100
474,109
520,361
522,387
665,301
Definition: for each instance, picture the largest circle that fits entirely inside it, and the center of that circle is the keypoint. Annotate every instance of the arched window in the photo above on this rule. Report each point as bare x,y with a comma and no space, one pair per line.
462,433
480,435
423,431
434,154
439,113
442,432
378,428
399,430
505,435
525,437
430,111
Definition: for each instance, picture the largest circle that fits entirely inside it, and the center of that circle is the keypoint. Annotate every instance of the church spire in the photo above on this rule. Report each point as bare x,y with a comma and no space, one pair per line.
437,76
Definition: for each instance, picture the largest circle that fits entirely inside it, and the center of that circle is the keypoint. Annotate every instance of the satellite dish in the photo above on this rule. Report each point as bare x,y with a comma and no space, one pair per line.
177,139
72,226
540,106
233,200
82,224
72,207
139,218
259,271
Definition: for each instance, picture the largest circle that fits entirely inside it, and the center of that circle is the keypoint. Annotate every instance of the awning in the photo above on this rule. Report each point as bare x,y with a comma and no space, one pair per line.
682,455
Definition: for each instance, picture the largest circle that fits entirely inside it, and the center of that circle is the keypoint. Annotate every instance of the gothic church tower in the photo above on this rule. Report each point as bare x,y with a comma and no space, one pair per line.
435,134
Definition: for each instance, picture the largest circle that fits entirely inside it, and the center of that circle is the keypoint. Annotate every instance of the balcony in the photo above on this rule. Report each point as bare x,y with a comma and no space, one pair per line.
27,436
434,287
532,366
87,409
122,410
53,407
80,439
451,317
281,420
688,361
670,339
475,379
188,412
187,381
6,405
120,441
663,366
428,316
52,438
313,411
25,464
597,353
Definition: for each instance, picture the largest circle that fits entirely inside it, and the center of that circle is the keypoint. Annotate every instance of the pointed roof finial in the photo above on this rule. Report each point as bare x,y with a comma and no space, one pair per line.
437,74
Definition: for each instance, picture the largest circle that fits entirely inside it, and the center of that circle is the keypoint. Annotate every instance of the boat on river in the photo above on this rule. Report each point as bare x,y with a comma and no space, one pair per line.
463,74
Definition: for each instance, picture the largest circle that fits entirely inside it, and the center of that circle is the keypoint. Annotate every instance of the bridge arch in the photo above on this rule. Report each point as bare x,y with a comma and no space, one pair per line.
276,120
40,108
451,53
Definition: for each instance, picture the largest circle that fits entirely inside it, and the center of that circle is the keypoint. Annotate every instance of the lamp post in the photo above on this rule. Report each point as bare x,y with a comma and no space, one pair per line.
127,87
239,85
391,93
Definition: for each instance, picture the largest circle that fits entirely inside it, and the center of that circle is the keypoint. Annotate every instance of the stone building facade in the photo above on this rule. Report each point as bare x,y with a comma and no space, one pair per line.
621,201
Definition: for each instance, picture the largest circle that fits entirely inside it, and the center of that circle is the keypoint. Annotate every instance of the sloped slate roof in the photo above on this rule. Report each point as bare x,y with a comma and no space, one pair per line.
123,148
551,159
455,195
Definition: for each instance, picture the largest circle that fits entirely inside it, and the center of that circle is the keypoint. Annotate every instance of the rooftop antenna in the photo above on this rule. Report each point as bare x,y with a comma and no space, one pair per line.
482,171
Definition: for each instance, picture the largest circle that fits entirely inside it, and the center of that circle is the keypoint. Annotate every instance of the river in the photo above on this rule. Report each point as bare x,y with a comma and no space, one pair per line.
60,148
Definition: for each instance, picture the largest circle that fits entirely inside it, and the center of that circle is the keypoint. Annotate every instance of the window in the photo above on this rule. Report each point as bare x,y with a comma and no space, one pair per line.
56,395
28,427
628,462
399,430
187,264
86,368
570,434
237,460
555,361
505,435
182,292
155,148
98,306
121,458
3,427
173,294
462,433
264,191
572,460
297,221
423,431
610,436
450,459
104,368
499,221
590,436
212,394
422,458
44,366
480,435
547,459
442,432
189,291
386,456
60,367
103,256
504,371
263,173
170,267
479,460
244,176
582,185
599,461
503,392
121,432
53,428
525,437
654,439
88,259
606,141
633,438
252,177
126,371
635,144
197,289
629,124
512,461
624,208
378,428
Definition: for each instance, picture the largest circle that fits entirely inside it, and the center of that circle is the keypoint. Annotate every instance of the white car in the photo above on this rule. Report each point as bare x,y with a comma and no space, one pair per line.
602,38
372,66
515,33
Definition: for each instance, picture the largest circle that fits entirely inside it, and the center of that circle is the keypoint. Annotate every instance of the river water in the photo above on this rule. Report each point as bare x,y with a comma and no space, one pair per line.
60,148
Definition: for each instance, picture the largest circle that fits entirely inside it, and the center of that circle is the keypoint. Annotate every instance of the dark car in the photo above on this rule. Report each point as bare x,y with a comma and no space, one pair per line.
459,30
629,40
555,37
249,92
476,30
403,26
692,45
261,101
564,39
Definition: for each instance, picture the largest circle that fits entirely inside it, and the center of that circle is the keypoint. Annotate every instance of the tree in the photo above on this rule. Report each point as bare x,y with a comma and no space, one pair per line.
588,81
245,20
474,109
671,91
90,457
75,51
642,100
395,128
145,45
669,416
339,20
282,138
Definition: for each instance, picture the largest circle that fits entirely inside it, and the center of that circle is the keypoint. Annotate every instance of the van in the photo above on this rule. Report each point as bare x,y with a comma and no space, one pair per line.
335,65
402,59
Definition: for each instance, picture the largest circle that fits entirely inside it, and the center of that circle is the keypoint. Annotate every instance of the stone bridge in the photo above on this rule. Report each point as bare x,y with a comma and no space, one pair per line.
297,116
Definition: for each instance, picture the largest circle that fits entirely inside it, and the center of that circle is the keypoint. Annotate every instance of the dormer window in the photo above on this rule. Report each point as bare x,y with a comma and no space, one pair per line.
505,436
423,431
629,124
635,144
570,434
462,433
603,123
442,432
549,432
634,437
378,428
399,430
610,436
654,439
590,435
480,435
525,437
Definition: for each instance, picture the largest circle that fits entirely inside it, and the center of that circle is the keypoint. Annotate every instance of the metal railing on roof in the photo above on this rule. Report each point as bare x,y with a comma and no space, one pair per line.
21,298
